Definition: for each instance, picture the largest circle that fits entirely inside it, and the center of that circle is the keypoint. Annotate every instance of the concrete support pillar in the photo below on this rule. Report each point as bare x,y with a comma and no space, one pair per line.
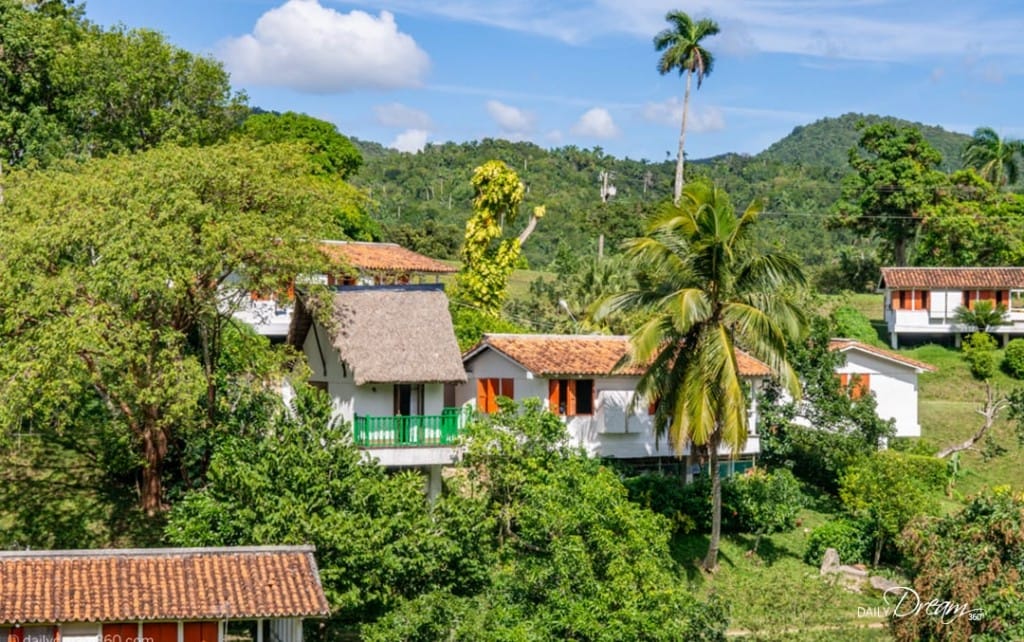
894,340
957,339
434,483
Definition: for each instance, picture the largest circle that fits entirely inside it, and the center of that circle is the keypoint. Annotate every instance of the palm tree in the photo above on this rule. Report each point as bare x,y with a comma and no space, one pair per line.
683,51
983,316
995,158
705,289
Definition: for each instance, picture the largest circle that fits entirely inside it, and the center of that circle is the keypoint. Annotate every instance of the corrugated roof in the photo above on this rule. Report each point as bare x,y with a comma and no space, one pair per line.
952,277
842,345
130,585
582,355
392,334
386,257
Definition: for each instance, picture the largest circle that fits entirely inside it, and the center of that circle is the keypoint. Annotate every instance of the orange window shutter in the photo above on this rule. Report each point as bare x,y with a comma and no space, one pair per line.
861,386
508,388
492,395
844,380
481,395
553,396
570,397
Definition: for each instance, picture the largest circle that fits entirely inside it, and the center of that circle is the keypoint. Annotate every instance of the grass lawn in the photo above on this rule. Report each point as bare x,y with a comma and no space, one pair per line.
774,595
518,283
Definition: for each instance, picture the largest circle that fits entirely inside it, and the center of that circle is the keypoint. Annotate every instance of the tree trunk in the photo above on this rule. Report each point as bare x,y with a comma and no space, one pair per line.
879,545
990,412
711,559
682,140
899,250
154,442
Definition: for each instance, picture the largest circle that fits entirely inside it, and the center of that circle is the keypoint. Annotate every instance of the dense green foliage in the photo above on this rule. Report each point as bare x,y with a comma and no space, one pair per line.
1013,358
330,152
894,178
973,559
888,489
71,88
847,536
979,350
110,284
573,558
850,323
826,142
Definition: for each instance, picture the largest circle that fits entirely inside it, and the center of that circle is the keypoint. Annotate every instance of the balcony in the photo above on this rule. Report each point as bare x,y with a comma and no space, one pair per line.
410,431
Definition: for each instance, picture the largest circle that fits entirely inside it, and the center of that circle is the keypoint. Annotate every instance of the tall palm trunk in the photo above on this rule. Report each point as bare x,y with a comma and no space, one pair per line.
682,140
711,560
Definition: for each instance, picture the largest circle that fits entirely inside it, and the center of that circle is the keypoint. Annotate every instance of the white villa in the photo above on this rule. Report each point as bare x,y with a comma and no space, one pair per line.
358,263
384,354
888,375
923,301
575,377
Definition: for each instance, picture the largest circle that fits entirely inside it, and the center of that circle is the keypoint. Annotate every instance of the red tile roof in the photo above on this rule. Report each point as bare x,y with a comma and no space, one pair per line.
130,585
842,345
579,354
387,257
952,278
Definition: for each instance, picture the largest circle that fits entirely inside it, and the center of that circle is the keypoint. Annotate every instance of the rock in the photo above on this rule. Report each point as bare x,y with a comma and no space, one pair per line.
881,583
830,561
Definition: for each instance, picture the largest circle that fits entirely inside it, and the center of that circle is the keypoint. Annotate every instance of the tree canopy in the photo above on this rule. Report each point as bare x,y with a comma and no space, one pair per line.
894,179
113,275
331,152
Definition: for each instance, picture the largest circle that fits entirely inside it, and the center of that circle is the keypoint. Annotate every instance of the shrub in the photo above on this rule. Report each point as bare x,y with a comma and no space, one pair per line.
848,537
687,506
980,353
852,324
762,502
1013,359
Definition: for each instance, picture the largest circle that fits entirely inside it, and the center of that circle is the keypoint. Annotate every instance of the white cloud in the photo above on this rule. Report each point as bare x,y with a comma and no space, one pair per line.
596,123
307,47
399,115
670,112
411,140
511,120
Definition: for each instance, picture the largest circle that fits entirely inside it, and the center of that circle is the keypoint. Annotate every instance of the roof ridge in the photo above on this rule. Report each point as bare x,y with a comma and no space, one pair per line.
529,335
146,552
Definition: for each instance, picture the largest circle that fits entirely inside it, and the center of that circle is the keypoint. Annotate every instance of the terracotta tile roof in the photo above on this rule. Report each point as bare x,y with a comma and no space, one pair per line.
842,345
387,257
130,585
952,278
579,354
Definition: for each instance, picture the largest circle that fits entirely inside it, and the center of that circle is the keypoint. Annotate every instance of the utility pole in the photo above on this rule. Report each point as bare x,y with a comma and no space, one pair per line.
607,192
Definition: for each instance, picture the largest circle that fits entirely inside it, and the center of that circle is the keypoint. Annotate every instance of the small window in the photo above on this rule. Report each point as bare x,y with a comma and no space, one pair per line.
571,397
857,385
488,390
1017,300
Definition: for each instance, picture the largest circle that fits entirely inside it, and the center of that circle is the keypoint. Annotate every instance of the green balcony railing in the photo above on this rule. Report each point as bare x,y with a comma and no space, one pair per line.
406,431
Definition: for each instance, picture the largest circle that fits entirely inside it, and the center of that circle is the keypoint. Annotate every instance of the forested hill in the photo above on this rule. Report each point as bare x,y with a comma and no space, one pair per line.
827,141
423,200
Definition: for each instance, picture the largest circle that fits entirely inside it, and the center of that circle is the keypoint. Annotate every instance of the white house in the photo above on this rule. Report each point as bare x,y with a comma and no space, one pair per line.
357,263
889,376
574,375
923,301
159,595
384,354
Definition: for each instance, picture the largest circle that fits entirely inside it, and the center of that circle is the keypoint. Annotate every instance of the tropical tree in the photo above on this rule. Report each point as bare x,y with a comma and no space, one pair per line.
982,316
708,290
995,158
683,51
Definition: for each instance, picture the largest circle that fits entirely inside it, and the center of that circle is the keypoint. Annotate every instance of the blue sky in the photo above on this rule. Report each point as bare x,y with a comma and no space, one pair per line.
582,72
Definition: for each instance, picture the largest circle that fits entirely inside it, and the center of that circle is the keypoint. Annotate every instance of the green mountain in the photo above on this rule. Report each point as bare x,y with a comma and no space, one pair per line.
422,200
826,142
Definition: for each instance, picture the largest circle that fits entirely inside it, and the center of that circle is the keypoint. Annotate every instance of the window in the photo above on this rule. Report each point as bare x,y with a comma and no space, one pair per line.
910,300
571,396
319,385
202,632
408,399
857,385
1017,300
488,391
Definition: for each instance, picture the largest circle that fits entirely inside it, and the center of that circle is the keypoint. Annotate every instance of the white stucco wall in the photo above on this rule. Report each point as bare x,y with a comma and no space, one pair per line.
348,398
610,431
894,386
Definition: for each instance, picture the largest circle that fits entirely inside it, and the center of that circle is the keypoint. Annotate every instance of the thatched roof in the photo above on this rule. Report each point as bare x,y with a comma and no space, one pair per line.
395,334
